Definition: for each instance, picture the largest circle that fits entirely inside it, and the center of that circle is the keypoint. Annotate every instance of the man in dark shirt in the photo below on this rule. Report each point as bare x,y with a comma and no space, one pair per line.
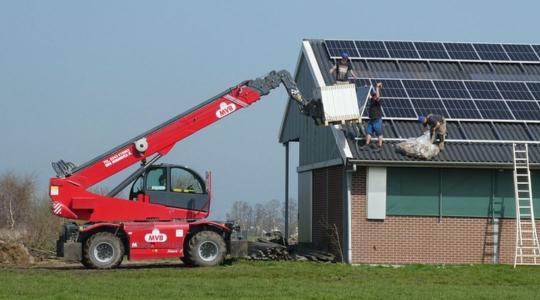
375,124
437,127
343,69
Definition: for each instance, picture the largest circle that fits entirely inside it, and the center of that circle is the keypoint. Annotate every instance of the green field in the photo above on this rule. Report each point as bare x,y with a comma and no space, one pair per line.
266,280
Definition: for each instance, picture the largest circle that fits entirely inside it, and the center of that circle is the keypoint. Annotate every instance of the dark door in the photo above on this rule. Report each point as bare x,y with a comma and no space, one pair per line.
176,187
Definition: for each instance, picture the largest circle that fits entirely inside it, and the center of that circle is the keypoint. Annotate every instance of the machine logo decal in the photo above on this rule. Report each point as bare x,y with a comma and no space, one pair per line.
225,109
116,157
155,237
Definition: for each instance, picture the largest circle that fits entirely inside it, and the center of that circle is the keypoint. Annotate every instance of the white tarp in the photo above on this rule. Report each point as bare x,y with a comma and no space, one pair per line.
420,147
340,103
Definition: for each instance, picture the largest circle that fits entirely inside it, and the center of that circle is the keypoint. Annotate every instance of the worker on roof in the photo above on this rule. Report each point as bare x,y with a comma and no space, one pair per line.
375,124
437,127
343,69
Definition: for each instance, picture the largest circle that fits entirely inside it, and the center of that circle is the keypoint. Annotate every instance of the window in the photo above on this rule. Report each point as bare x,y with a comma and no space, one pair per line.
156,180
183,181
136,188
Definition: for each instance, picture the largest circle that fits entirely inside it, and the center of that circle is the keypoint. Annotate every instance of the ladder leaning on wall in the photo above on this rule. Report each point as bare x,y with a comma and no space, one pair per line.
527,247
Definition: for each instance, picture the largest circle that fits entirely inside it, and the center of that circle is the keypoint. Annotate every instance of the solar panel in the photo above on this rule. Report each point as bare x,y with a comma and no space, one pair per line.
483,90
336,47
401,50
525,110
429,106
431,50
361,82
452,89
514,90
420,89
391,88
491,51
461,51
520,52
461,109
397,108
372,49
494,109
457,99
536,49
534,87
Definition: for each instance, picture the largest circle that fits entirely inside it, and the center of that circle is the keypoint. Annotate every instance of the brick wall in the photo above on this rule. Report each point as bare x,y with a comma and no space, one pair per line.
508,241
403,239
327,209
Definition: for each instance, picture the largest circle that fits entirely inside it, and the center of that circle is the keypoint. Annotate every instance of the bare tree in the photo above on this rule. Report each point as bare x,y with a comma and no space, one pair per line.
242,213
263,217
332,238
16,194
273,219
42,226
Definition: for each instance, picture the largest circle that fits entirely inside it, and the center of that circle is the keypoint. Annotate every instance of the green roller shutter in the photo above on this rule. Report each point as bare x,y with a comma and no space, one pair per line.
412,191
466,192
503,200
535,179
504,194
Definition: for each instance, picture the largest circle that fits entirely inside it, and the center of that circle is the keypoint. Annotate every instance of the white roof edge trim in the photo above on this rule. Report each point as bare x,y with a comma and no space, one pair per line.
313,64
341,142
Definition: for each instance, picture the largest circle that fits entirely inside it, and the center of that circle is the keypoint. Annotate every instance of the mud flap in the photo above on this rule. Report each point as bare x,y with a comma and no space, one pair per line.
67,245
72,252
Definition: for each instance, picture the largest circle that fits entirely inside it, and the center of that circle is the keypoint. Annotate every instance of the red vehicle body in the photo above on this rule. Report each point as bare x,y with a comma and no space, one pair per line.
165,214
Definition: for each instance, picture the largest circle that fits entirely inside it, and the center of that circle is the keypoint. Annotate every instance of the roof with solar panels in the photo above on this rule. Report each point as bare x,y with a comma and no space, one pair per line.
489,94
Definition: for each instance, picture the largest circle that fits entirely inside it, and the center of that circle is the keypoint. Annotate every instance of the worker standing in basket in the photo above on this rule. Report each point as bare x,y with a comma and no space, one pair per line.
343,69
437,127
375,124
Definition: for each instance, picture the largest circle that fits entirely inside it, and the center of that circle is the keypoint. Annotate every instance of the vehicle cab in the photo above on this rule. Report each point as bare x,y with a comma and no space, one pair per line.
173,186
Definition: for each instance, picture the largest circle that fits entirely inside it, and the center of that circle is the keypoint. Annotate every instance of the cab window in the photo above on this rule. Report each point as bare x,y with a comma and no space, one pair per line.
183,181
136,188
156,180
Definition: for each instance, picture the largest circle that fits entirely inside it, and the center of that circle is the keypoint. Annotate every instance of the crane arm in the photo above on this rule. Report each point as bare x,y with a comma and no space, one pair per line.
161,139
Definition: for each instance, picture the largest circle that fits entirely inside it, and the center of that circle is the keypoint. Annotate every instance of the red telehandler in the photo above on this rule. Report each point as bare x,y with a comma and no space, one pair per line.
164,215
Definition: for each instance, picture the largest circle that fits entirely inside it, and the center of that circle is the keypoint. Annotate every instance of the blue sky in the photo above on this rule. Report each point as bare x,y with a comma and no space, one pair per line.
80,77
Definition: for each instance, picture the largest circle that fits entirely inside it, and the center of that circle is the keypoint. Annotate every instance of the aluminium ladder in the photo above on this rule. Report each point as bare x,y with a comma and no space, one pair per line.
527,247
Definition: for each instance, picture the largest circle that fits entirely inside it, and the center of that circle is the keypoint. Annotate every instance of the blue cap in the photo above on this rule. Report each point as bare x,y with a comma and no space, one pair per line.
344,54
421,119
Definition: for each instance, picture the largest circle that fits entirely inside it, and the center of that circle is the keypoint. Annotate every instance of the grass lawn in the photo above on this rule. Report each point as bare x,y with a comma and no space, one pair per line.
267,280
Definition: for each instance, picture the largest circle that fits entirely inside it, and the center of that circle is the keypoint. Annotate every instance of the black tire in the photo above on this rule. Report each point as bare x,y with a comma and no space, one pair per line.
86,263
205,249
103,250
187,261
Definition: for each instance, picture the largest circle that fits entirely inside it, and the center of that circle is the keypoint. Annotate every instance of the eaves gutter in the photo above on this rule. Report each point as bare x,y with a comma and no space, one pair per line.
490,165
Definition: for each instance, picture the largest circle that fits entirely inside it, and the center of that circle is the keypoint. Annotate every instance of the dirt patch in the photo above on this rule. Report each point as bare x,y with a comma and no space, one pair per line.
15,253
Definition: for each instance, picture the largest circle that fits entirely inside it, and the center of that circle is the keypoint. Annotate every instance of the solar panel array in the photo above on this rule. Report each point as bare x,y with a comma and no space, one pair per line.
459,99
433,50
